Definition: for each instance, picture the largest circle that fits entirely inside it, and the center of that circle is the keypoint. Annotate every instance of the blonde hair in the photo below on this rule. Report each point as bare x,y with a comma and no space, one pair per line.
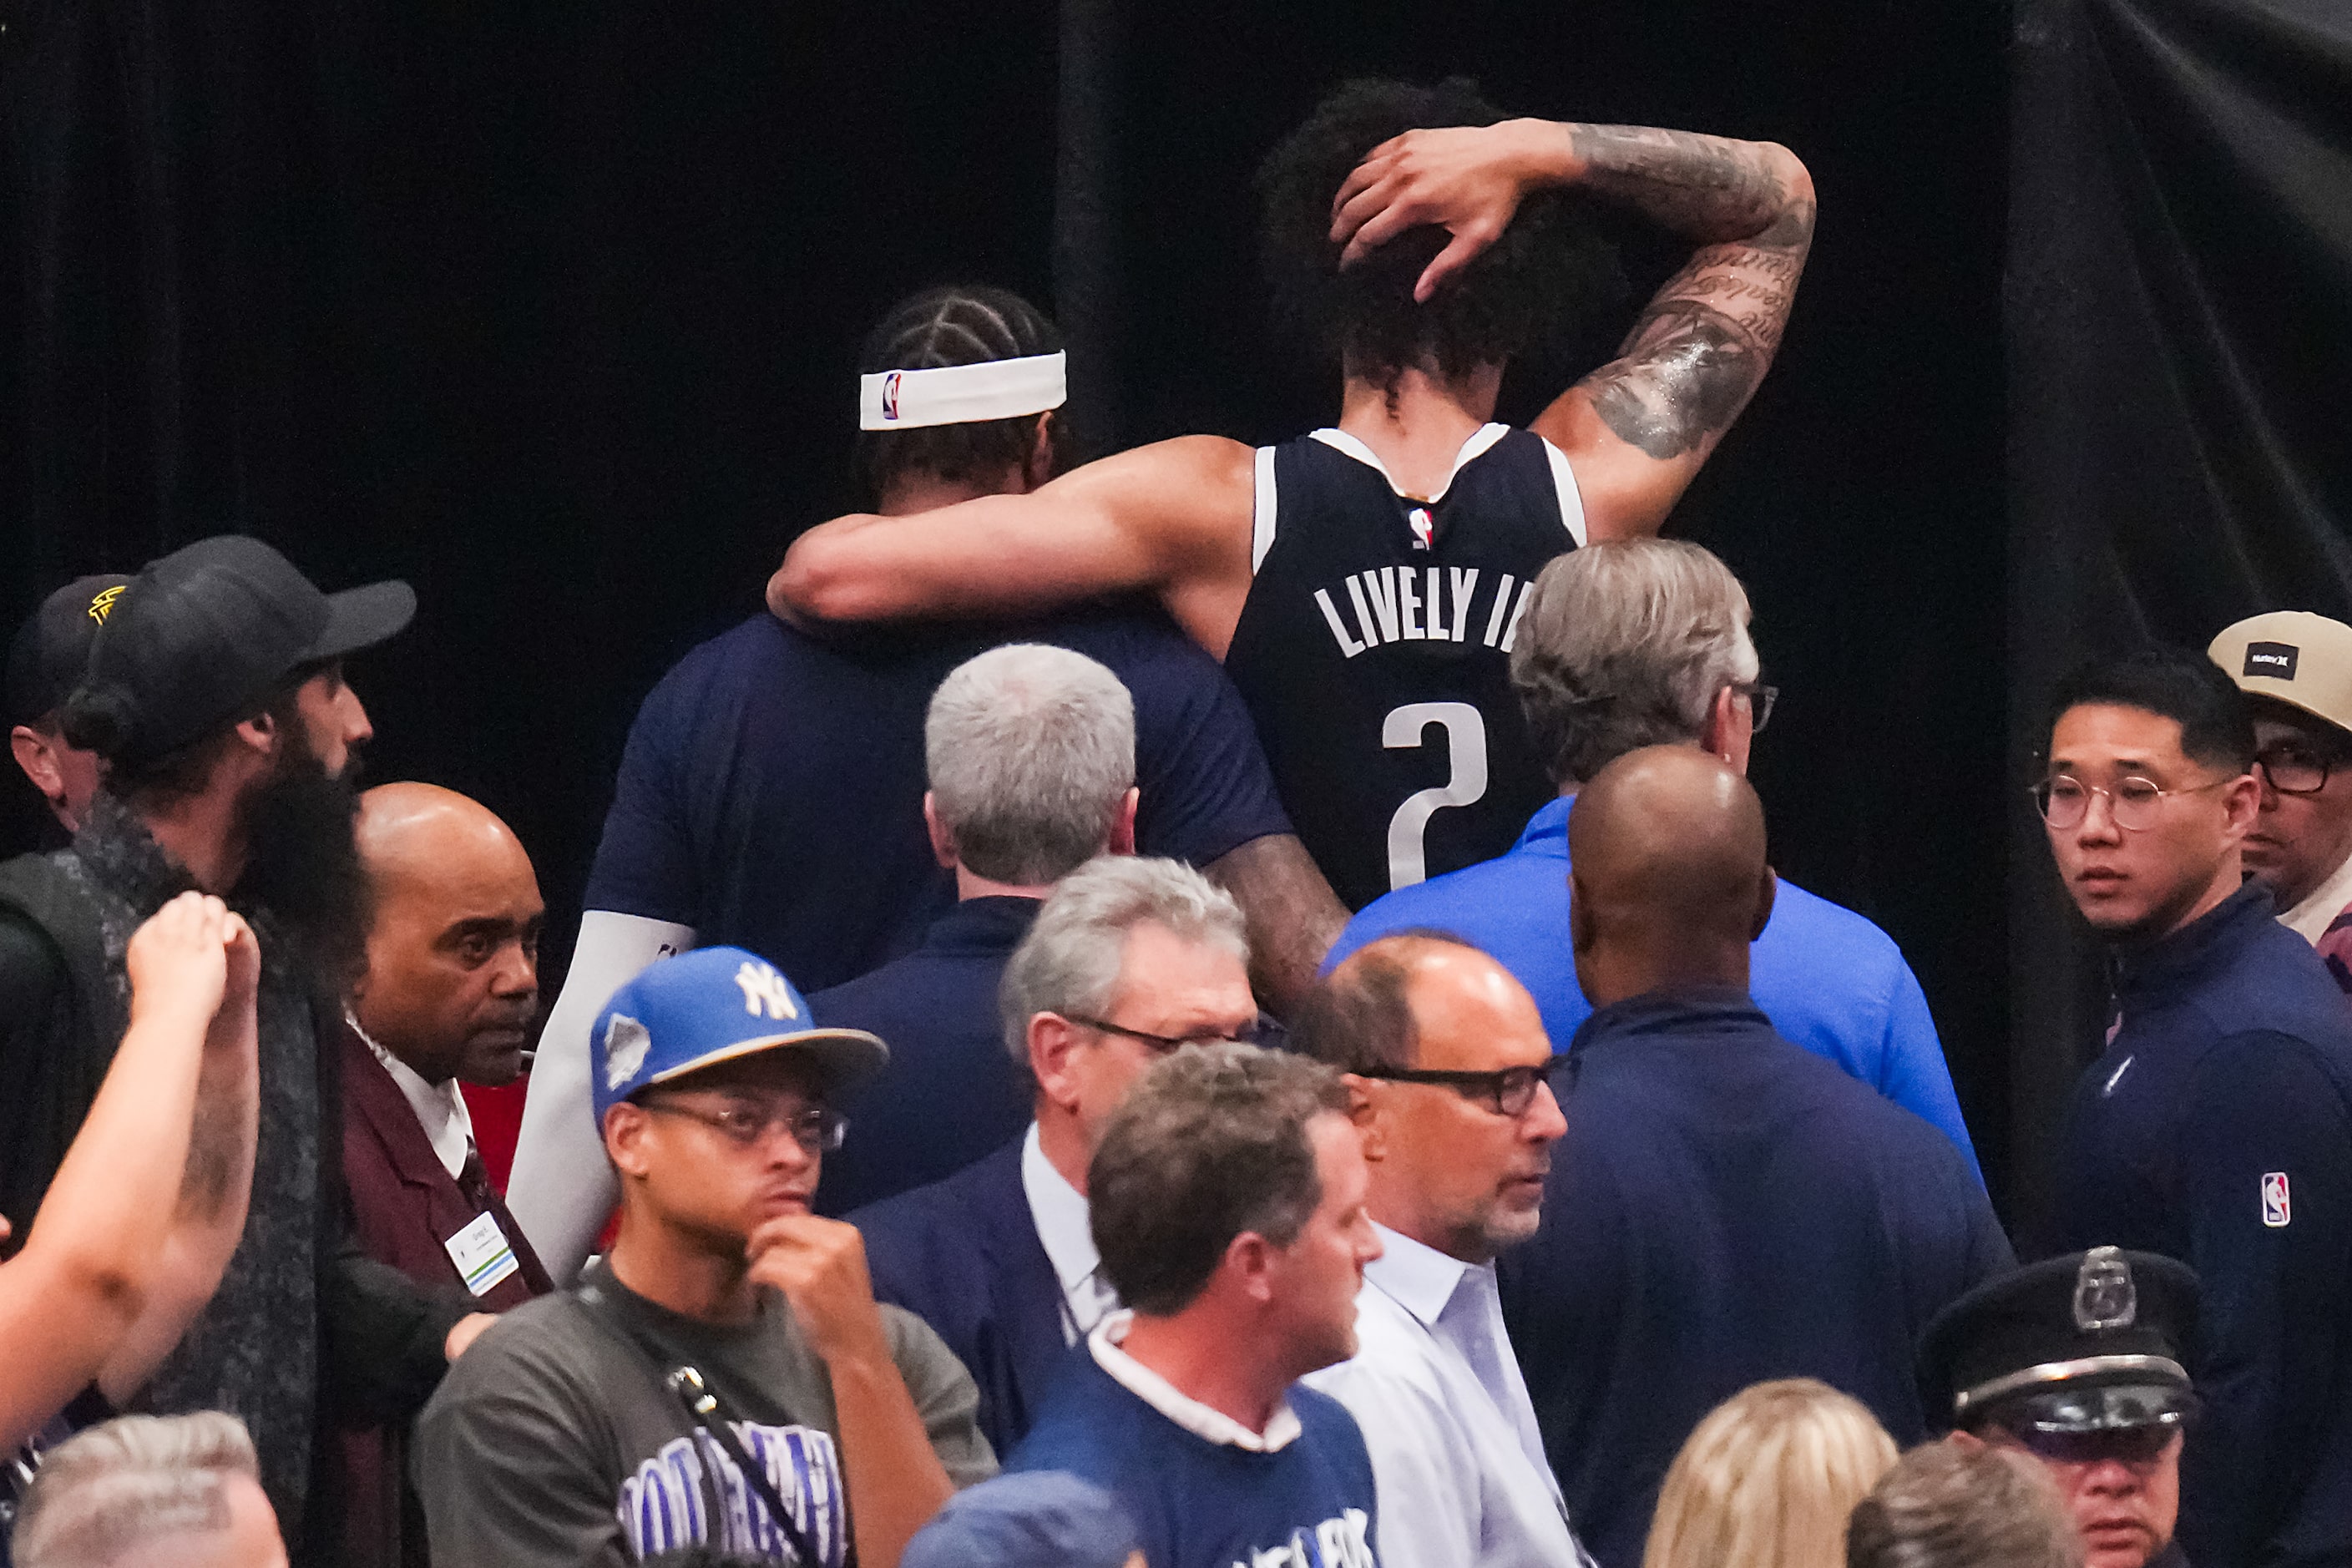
129,1482
1768,1479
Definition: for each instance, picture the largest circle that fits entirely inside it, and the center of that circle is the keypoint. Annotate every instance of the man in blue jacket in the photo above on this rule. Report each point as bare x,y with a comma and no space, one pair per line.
1725,1207
1128,959
2216,1126
1645,643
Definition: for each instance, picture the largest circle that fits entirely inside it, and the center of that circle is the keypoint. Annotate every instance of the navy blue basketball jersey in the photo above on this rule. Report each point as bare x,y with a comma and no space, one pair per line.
1374,650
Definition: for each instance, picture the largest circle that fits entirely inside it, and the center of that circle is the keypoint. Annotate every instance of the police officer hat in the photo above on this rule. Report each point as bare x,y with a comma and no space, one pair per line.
2088,1342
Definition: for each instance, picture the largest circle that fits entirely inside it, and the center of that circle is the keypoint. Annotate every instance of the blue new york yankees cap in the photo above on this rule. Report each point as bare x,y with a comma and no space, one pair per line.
711,1005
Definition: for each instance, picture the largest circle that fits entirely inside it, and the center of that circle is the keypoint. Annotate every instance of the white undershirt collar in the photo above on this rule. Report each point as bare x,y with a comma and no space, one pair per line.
1063,1219
1485,435
440,1109
2310,919
1202,1421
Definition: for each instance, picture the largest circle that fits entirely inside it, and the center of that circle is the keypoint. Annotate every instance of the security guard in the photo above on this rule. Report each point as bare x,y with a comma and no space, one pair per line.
2077,1360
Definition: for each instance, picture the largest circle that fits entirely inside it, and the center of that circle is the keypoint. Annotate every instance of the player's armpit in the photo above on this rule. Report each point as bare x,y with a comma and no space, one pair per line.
1638,429
1172,519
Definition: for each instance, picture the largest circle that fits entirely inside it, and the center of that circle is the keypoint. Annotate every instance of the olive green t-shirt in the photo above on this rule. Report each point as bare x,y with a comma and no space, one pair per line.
554,1444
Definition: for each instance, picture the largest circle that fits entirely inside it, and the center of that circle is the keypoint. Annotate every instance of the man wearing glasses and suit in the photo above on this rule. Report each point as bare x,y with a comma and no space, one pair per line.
1128,960
2216,1128
1726,1206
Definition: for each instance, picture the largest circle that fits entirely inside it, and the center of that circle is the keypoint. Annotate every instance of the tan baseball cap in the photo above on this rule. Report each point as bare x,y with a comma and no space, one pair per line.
2291,656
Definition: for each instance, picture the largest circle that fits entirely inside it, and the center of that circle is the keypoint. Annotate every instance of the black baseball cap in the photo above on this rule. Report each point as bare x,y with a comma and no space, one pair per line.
201,635
2088,1342
51,649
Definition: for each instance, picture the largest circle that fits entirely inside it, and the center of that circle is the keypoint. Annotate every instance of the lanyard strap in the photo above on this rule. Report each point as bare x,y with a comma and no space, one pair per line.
707,1411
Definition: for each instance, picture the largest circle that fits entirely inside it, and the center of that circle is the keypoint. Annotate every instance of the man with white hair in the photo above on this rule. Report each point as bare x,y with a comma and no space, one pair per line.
1128,960
1645,643
145,1489
1030,753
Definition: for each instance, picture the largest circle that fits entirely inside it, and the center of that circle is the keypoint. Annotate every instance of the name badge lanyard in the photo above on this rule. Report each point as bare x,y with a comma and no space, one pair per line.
708,1411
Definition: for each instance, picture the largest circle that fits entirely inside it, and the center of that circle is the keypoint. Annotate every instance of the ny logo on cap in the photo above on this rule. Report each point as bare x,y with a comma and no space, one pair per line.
2104,1297
763,986
99,605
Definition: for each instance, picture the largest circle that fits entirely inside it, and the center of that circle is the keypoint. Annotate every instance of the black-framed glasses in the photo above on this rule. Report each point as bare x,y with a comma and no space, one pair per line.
819,1129
2295,768
1250,1034
2134,802
1760,698
1507,1092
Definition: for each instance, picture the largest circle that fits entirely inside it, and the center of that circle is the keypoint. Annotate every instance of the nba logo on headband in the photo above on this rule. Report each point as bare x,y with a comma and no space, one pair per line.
890,395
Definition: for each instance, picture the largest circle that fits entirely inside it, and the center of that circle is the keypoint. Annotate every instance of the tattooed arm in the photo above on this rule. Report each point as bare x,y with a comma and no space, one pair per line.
1637,429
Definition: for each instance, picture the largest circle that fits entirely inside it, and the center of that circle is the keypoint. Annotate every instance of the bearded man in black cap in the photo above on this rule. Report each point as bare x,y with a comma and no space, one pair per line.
214,698
2077,1362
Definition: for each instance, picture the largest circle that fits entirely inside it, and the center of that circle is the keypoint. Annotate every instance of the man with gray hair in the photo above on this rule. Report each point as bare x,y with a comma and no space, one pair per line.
143,1490
1128,960
1645,643
1030,753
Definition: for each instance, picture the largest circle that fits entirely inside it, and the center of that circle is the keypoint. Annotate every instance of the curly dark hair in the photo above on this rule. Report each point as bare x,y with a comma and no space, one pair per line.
1549,270
963,324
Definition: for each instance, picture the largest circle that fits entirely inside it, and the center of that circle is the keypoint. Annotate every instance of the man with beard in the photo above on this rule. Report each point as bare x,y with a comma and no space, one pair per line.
449,993
215,697
1450,1060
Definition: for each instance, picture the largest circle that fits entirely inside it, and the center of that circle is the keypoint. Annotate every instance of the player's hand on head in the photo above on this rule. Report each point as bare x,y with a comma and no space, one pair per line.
819,1266
178,960
1464,179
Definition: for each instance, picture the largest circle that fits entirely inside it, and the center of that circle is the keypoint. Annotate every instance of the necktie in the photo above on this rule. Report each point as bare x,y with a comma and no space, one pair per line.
474,1181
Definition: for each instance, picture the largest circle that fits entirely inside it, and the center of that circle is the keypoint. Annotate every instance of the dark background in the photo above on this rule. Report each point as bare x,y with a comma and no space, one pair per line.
552,310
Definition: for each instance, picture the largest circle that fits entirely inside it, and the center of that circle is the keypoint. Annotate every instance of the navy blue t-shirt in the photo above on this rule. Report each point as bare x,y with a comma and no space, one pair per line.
772,794
1201,1504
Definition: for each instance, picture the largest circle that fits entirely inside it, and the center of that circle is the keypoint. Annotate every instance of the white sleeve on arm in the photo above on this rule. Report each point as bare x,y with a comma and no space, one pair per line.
562,1188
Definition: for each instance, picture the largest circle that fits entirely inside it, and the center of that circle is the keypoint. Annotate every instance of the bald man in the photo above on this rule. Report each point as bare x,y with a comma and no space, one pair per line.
1725,1207
449,995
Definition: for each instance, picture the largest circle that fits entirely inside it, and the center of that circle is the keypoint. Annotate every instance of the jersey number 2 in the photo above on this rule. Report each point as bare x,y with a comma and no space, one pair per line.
1465,743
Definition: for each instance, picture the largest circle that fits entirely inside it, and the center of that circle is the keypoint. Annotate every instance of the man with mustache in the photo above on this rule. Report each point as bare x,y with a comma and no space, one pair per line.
2076,1361
2216,1128
1451,1060
214,698
449,995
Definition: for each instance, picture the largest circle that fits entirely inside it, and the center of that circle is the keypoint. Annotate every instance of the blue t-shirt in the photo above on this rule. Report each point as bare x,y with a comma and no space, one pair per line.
772,792
1828,979
1200,1504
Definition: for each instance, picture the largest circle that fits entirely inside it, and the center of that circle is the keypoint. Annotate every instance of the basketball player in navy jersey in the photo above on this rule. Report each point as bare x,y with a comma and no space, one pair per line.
1361,584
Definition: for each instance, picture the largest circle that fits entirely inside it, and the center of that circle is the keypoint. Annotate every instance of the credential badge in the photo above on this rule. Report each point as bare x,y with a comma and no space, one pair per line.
2104,1297
626,1042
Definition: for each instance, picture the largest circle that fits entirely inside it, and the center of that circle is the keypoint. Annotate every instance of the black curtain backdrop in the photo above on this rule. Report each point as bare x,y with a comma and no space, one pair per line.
2179,324
551,309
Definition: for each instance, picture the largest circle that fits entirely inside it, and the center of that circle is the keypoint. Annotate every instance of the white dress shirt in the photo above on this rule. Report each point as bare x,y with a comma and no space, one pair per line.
1456,1449
1065,1226
1204,1421
448,1126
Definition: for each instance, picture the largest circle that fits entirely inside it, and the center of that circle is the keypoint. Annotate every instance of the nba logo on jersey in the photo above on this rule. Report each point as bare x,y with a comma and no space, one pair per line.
890,396
2275,1212
1425,527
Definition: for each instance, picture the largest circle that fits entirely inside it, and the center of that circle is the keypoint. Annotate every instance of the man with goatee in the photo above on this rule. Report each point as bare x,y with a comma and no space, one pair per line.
214,698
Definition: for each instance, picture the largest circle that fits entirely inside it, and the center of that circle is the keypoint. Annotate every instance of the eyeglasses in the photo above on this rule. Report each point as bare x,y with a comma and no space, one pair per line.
818,1128
2294,768
1250,1034
1760,698
1507,1092
2134,802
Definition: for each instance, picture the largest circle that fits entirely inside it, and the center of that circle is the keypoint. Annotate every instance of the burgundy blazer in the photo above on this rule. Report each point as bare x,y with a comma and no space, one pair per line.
405,1205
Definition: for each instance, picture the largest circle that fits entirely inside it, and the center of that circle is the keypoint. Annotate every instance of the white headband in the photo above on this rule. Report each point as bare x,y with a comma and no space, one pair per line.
961,394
